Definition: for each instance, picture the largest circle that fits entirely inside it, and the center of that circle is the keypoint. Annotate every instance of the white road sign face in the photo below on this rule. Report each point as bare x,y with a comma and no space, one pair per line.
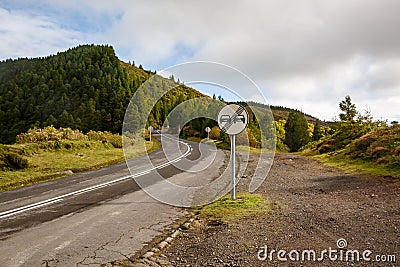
150,128
233,119
208,129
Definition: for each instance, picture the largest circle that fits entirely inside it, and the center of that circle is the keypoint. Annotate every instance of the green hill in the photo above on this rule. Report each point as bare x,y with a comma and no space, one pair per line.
88,88
280,112
376,152
85,88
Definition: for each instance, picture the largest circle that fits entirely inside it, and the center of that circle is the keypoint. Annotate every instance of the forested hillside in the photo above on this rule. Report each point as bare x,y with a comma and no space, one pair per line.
85,88
282,113
89,88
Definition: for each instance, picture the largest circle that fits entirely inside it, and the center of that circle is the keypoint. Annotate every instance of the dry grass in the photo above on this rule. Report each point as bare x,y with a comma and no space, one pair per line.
47,165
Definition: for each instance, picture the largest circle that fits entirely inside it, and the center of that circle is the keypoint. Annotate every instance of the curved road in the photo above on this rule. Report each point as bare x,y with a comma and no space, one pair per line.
95,217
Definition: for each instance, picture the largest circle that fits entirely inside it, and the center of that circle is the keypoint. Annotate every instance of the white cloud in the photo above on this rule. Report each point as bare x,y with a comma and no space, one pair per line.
306,54
25,35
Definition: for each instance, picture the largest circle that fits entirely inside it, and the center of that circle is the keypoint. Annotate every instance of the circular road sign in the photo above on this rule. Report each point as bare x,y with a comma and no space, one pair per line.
233,119
208,129
150,128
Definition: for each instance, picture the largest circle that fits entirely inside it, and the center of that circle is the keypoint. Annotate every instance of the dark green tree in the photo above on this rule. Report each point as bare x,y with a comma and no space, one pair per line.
296,131
352,123
348,109
317,131
86,87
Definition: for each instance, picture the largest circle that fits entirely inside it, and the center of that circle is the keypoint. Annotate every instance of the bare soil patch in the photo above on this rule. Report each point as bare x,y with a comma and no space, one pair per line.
312,206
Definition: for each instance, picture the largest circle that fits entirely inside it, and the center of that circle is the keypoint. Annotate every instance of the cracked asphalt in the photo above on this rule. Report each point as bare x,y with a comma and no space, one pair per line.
94,228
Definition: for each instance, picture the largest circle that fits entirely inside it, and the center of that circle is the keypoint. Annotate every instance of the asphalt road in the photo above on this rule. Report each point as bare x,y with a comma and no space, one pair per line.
99,216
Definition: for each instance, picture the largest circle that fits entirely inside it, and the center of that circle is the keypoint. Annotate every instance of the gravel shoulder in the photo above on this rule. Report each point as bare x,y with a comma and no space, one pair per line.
312,207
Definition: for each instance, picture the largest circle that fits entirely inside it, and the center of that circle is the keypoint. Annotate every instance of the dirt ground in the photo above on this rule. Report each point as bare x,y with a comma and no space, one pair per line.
312,207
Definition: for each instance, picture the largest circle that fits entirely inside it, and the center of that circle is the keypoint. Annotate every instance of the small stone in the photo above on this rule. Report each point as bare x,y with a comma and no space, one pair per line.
169,239
162,245
150,263
175,234
148,254
164,262
155,250
185,226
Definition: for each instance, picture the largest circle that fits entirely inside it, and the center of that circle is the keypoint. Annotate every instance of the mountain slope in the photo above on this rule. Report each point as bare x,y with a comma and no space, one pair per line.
86,88
280,112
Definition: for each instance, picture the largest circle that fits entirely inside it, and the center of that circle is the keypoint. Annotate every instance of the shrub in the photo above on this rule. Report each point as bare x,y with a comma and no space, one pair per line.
50,138
189,131
378,152
364,142
383,160
114,139
15,161
215,133
395,163
396,151
327,146
50,134
280,146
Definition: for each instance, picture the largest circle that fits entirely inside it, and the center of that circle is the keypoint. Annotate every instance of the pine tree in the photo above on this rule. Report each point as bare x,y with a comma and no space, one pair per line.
86,87
317,131
296,131
349,110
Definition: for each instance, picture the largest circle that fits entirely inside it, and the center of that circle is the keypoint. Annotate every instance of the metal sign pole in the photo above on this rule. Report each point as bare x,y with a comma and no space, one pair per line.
232,120
150,129
208,130
233,178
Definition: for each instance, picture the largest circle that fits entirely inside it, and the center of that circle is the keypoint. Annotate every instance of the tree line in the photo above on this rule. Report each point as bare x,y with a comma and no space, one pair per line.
85,88
89,88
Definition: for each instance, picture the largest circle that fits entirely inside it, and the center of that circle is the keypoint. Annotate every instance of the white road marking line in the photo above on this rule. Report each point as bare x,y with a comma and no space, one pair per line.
12,212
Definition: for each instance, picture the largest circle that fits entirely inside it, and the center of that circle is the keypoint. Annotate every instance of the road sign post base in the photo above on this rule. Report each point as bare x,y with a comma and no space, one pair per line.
233,176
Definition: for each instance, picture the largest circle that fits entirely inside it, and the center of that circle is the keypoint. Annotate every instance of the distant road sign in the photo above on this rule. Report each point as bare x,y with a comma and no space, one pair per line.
208,130
150,130
233,119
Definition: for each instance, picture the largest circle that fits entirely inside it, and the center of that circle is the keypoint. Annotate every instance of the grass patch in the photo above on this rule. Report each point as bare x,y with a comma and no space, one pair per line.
357,166
45,165
254,150
227,210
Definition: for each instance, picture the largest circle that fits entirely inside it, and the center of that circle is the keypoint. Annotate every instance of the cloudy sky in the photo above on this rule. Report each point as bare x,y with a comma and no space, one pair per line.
302,54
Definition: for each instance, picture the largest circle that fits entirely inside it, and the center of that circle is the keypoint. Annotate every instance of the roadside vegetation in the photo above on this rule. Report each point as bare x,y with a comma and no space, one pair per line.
359,144
49,153
225,210
355,141
86,87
